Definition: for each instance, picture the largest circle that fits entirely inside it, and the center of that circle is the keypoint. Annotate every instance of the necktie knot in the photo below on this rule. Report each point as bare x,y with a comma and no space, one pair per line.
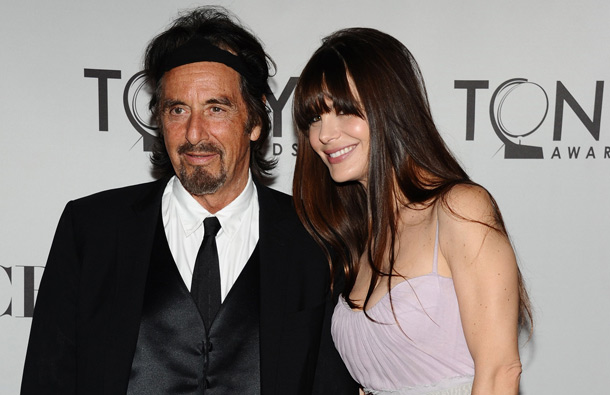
211,226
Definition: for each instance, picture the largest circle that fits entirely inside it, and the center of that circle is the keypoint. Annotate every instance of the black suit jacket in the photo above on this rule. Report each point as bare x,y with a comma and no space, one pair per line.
88,307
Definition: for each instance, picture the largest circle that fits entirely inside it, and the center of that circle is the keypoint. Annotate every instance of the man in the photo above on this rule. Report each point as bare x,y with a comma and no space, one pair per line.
132,301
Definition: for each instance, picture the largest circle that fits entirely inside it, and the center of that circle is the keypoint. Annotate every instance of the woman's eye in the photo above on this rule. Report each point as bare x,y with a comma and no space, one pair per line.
315,119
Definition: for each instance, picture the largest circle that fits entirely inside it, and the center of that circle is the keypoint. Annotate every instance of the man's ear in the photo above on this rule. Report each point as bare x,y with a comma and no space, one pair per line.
255,133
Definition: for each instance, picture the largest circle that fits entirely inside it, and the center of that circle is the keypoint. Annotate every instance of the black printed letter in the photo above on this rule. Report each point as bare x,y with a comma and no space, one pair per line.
102,90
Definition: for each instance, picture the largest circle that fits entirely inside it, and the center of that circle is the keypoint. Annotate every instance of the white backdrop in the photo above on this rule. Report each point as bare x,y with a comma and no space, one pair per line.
555,206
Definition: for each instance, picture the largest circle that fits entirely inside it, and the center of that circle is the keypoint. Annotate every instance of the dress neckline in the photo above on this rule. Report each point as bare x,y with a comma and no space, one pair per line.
387,294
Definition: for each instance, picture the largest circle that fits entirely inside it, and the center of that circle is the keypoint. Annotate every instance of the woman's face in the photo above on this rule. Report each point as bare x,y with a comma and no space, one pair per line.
342,141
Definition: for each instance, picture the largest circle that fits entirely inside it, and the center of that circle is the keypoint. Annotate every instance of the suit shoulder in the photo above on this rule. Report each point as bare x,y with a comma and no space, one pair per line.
112,199
280,198
120,193
277,204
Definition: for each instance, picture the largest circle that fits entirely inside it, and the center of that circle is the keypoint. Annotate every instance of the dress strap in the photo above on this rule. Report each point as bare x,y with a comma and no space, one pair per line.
435,263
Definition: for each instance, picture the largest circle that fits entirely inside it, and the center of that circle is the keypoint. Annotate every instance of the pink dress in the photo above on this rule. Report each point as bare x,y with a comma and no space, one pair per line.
430,357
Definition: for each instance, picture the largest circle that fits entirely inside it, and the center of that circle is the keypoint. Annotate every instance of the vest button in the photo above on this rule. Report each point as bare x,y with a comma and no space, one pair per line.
206,384
210,346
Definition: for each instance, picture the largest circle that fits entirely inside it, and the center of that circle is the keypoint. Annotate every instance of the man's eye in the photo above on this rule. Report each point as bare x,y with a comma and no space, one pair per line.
176,111
216,109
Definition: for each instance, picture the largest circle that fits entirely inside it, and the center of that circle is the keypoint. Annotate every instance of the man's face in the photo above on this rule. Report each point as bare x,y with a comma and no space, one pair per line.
203,115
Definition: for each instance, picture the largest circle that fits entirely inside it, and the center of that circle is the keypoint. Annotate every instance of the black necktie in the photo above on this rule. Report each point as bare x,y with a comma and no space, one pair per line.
205,287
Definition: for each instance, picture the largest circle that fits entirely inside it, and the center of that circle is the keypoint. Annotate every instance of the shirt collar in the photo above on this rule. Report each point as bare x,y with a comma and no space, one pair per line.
192,214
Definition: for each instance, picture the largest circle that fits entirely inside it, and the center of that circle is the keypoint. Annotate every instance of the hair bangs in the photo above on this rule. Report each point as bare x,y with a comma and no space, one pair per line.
325,86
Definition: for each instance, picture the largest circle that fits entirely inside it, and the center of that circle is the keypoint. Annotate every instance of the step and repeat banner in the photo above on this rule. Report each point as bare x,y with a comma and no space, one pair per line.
517,88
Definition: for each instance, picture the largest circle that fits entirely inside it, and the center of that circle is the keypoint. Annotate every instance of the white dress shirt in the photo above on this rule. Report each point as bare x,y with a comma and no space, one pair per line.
183,222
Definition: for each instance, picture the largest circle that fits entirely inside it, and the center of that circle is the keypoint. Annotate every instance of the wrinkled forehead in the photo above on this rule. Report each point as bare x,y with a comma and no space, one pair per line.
203,79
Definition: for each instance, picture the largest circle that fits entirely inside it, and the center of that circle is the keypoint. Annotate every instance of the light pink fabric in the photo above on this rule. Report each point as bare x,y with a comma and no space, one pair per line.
432,350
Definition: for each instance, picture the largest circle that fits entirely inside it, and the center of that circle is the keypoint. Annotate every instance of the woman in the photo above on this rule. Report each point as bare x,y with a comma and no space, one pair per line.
433,297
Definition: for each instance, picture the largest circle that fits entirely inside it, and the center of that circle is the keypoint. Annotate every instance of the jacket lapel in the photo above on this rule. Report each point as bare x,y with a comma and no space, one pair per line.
134,245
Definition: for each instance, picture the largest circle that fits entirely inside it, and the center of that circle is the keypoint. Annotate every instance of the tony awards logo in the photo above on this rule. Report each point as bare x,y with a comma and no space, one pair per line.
137,94
519,108
526,105
136,97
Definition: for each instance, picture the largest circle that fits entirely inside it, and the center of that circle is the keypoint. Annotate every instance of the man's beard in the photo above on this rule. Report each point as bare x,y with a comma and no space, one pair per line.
199,181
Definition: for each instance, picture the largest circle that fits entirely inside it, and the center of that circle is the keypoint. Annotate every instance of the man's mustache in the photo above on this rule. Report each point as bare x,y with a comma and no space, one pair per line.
206,148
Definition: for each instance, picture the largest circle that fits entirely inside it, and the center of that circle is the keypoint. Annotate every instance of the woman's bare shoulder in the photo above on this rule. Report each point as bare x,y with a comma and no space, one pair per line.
464,204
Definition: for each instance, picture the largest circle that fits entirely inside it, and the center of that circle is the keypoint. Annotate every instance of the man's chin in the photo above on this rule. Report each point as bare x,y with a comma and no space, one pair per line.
201,183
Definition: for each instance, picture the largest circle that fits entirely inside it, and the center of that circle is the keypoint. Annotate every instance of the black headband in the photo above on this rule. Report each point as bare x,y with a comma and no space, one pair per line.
198,49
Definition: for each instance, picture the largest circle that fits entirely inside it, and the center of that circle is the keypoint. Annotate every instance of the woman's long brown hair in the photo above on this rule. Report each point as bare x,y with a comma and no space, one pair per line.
346,219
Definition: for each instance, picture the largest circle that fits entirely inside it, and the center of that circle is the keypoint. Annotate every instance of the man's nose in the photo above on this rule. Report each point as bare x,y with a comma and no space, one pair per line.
196,130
